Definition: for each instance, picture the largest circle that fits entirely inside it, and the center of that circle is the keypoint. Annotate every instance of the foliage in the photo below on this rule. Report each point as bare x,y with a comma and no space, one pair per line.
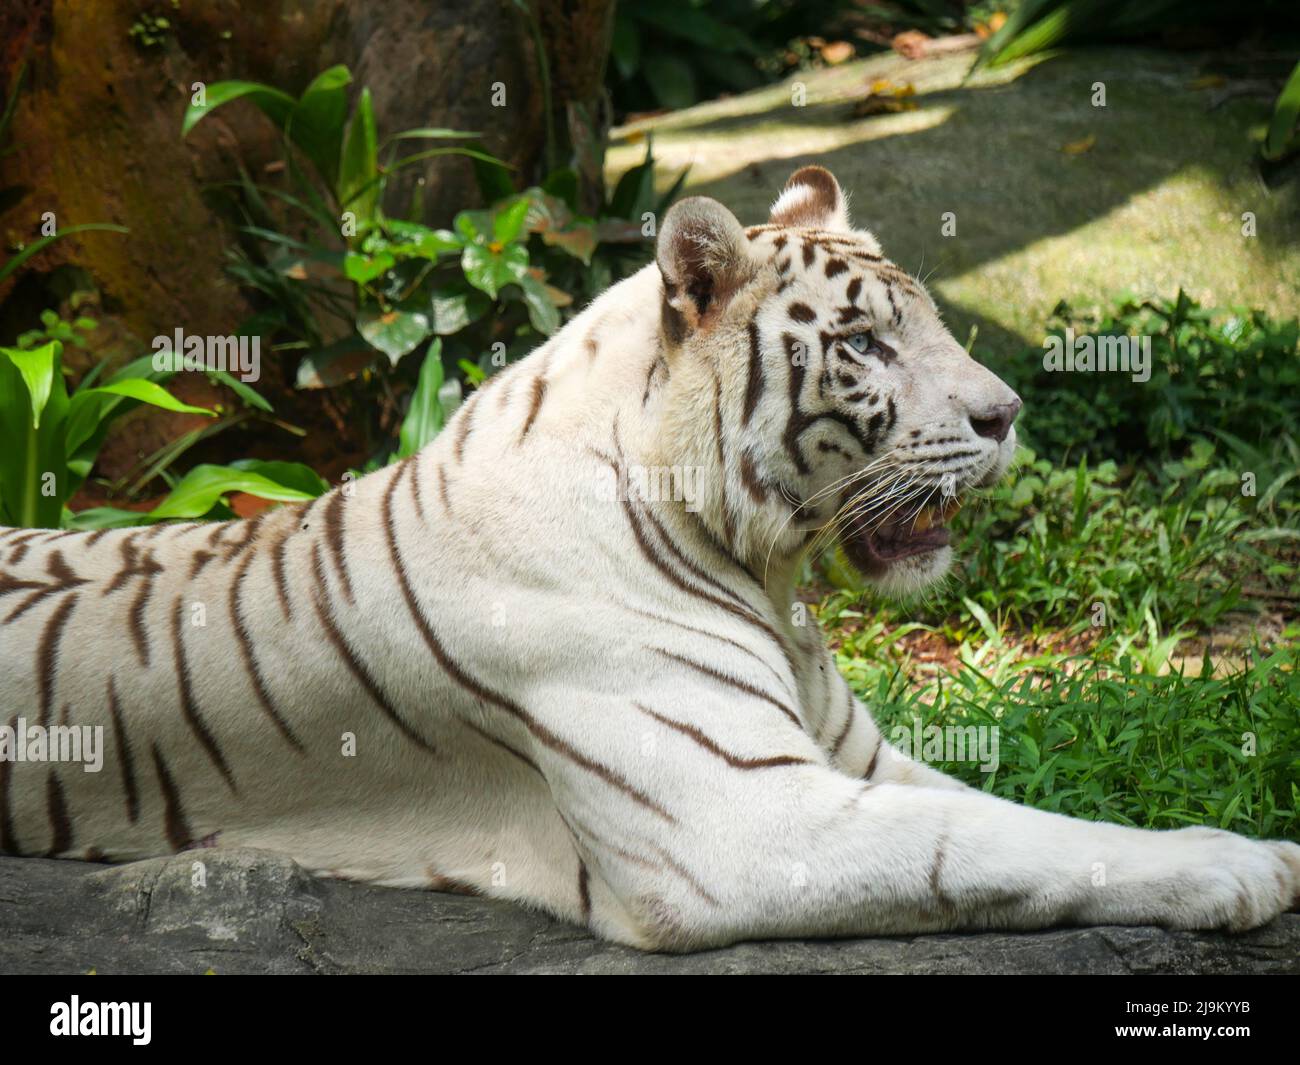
672,53
54,327
363,290
1283,132
1118,742
150,31
381,306
1232,371
430,408
202,492
432,403
14,262
51,438
1038,25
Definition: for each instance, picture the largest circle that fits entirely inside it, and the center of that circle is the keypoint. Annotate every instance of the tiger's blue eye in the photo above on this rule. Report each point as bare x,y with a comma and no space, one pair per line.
863,343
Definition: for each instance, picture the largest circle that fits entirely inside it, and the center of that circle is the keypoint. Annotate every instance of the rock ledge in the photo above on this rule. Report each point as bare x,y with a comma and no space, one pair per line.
261,913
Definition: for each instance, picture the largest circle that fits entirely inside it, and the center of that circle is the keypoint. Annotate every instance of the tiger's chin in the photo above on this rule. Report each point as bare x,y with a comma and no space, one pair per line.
907,577
902,558
903,577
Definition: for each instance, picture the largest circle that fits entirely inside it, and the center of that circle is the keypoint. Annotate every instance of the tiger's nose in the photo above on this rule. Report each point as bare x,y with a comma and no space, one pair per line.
995,422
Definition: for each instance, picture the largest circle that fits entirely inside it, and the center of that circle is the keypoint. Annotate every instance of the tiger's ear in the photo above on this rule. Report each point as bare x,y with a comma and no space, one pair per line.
704,257
813,198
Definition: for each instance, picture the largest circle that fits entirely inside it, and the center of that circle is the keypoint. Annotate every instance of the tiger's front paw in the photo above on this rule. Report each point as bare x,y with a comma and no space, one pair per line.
1232,882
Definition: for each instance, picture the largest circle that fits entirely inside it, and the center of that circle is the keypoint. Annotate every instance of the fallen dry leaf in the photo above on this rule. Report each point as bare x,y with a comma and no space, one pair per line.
911,44
885,98
837,52
1080,146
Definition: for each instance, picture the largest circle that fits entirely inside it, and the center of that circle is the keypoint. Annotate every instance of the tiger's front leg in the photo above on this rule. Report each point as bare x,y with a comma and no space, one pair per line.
767,843
856,745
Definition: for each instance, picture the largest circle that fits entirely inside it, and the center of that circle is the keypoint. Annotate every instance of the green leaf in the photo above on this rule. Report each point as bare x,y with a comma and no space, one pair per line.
396,332
316,124
289,474
421,241
104,518
1282,127
985,622
424,419
36,245
147,392
90,406
435,153
276,105
542,312
249,395
455,308
359,186
508,223
201,488
1225,818
671,80
34,477
88,422
36,367
634,190
429,133
489,271
474,225
360,269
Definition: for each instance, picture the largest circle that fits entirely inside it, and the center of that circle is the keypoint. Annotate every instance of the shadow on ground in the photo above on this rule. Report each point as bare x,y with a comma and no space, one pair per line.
1051,196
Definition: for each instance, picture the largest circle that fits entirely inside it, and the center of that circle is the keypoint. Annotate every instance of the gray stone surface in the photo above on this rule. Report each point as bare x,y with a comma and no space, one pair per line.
261,913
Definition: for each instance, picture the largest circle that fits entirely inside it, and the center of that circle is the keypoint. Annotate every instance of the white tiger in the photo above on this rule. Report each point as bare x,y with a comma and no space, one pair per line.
523,663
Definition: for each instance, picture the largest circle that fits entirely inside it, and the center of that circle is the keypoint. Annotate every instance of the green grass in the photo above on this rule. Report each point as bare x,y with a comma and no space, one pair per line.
1113,742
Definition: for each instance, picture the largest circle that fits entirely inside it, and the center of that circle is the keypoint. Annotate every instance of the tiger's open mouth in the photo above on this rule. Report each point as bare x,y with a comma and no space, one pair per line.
875,548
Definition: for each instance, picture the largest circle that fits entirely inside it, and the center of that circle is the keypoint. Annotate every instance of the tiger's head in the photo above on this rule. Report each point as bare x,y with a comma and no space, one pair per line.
841,404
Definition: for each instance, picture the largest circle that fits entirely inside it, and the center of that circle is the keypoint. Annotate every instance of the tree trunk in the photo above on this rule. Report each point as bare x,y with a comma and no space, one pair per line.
576,38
